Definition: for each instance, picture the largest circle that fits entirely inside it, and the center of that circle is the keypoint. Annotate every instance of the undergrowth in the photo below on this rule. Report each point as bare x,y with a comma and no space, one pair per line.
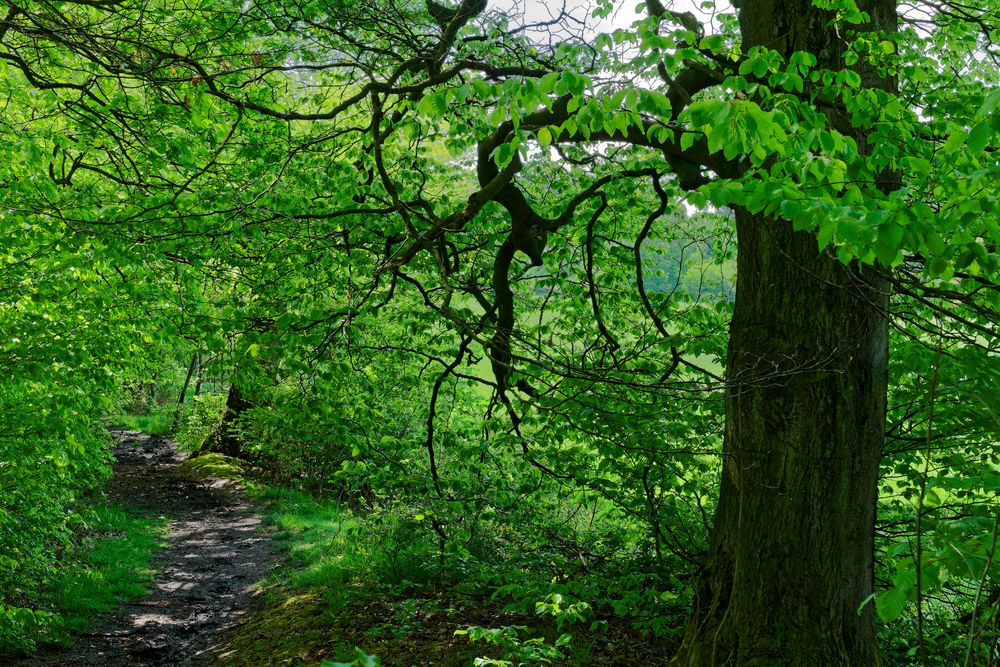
357,584
106,564
369,578
354,586
189,424
157,423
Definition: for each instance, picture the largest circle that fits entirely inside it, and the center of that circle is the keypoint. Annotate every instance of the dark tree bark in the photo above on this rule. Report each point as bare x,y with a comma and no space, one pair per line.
201,377
225,439
791,556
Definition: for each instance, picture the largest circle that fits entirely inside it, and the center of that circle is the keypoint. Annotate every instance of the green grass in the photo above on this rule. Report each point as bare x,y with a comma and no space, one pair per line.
342,590
336,550
107,563
355,582
109,566
159,423
330,547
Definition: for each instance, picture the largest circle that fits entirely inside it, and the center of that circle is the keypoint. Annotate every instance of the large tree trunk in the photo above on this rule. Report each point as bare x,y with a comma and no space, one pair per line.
791,556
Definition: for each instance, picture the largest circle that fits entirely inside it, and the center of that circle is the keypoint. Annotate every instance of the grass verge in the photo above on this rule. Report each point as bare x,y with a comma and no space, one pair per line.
111,565
107,564
351,585
158,423
356,584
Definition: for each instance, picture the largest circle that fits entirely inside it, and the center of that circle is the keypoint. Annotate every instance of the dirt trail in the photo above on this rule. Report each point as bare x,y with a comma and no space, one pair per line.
217,549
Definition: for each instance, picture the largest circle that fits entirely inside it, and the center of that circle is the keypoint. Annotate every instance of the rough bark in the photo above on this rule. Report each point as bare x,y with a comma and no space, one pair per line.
225,439
791,556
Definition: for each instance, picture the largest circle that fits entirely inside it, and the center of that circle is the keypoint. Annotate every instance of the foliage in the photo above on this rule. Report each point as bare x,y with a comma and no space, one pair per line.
198,419
517,652
108,563
476,277
159,422
361,659
941,480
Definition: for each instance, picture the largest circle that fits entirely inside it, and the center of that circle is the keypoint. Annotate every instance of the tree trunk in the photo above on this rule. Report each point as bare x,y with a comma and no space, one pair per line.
187,379
225,439
791,556
200,379
175,423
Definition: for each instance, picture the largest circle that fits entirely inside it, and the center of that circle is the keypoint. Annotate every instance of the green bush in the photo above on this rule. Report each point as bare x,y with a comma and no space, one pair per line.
107,562
198,419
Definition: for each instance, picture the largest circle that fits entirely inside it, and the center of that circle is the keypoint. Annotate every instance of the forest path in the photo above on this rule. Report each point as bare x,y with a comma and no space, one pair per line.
217,549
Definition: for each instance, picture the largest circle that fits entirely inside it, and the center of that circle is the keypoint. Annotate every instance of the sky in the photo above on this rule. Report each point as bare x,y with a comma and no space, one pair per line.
625,11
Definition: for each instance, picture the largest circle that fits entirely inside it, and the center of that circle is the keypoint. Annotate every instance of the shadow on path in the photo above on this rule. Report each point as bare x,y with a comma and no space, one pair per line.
216,551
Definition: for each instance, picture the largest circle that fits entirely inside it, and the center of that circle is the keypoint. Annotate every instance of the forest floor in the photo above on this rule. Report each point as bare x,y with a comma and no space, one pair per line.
217,549
206,605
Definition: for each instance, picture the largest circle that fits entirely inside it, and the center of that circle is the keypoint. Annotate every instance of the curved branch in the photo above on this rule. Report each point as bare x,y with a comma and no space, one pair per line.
589,265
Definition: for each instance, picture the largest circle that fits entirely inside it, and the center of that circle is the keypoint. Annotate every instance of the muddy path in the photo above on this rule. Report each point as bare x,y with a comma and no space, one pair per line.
216,551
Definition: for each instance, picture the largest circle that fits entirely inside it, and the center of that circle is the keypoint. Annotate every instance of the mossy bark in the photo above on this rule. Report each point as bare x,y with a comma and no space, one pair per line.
225,439
791,556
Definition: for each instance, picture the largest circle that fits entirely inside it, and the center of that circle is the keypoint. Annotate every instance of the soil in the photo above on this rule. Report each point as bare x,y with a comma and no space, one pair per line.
217,549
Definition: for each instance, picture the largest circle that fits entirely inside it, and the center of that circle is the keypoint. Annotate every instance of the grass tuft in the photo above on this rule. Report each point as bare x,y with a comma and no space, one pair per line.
110,565
158,423
107,563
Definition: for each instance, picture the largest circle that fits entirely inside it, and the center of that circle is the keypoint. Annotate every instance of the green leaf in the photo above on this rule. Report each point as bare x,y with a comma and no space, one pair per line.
433,104
714,43
938,267
687,140
824,236
935,243
955,142
826,141
792,209
503,155
890,237
979,137
482,88
544,136
889,605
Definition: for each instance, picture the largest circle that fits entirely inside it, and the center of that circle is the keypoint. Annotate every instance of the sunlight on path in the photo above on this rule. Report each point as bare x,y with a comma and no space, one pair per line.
216,551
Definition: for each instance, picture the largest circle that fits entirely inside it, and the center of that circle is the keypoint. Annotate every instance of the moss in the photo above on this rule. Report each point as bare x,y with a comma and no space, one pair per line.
216,465
288,629
294,628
